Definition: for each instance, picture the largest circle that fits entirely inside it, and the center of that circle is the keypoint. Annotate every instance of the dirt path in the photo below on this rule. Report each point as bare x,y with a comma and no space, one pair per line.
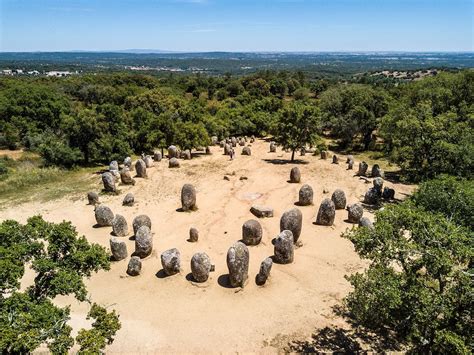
172,314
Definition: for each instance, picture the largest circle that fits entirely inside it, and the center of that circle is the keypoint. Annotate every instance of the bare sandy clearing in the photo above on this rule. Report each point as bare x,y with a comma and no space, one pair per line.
172,314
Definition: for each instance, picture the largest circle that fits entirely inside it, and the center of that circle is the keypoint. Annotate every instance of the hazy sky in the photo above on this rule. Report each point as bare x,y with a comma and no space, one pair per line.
231,25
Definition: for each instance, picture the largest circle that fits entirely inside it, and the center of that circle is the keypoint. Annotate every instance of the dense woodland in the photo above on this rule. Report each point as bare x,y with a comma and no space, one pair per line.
418,288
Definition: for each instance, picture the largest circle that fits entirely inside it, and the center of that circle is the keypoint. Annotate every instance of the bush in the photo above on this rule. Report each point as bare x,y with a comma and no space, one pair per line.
57,152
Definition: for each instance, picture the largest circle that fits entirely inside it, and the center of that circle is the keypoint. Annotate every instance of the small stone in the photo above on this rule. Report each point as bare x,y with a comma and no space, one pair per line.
376,171
378,185
222,144
128,200
366,222
93,198
324,154
127,162
172,152
295,175
109,182
241,142
305,195
104,216
388,193
264,273
273,147
119,226
339,199
349,159
173,163
335,159
126,177
243,178
227,149
208,151
238,264
233,141
157,156
261,211
134,266
113,165
200,267
292,220
284,248
139,221
148,161
214,140
140,168
118,248
171,261
252,232
326,213
355,212
246,151
188,198
193,235
143,242
187,154
372,197
362,168
226,178
350,165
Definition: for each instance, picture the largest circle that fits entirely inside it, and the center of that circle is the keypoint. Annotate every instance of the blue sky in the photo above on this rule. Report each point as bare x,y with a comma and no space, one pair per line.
231,25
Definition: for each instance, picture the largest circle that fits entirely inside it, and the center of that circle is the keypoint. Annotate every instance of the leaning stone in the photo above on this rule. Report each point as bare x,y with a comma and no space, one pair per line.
273,147
335,159
261,211
376,171
139,221
134,266
148,161
126,177
188,198
292,220
128,200
355,212
339,199
372,197
252,232
324,154
157,156
295,175
378,185
118,248
305,195
127,162
114,165
173,163
140,168
284,248
172,152
388,193
93,198
362,168
264,273
246,151
171,261
193,235
326,213
238,264
366,222
120,226
109,182
200,267
143,242
103,216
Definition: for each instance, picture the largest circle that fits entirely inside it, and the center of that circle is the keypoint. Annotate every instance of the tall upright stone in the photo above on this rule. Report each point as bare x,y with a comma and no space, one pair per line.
238,264
292,220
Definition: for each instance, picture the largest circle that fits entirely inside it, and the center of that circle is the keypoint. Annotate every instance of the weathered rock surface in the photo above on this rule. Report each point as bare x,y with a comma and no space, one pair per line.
261,211
143,242
388,193
372,197
126,177
148,161
188,198
366,222
305,195
246,151
264,273
238,264
292,220
326,213
173,163
109,182
119,226
134,266
114,165
295,175
172,152
362,169
284,248
354,212
127,162
118,248
171,261
378,185
376,171
335,159
324,154
273,147
140,168
104,216
252,232
339,199
200,267
157,156
187,154
93,198
193,235
139,221
128,200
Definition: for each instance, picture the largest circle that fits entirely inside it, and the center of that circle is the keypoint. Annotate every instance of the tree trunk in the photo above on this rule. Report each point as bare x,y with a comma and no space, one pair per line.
293,155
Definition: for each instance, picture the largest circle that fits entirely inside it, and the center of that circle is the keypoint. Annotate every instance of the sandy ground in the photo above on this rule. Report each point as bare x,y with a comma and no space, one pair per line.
172,314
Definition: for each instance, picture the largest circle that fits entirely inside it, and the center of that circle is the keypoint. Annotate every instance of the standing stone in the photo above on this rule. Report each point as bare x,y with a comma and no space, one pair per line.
134,266
157,156
295,175
128,200
241,142
238,264
376,171
366,222
284,248
350,164
118,248
115,174
200,267
188,198
355,212
252,232
187,154
172,152
139,221
227,149
378,185
303,152
349,159
292,220
305,195
119,226
127,162
103,216
171,261
193,235
252,139
246,151
148,161
326,213
208,151
388,193
339,199
335,159
233,141
173,163
126,177
140,168
264,273
273,147
113,165
93,198
214,140
372,197
362,168
222,144
109,182
143,242
324,154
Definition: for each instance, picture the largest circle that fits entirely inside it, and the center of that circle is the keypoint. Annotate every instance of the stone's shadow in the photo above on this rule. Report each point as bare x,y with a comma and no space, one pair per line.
97,225
347,221
285,161
161,274
297,203
132,237
224,281
180,209
190,278
291,182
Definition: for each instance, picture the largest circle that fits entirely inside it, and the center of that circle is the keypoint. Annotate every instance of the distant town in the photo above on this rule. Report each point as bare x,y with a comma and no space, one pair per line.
53,73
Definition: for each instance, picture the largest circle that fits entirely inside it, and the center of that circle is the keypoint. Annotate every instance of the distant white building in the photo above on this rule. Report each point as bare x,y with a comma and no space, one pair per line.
58,73
7,72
